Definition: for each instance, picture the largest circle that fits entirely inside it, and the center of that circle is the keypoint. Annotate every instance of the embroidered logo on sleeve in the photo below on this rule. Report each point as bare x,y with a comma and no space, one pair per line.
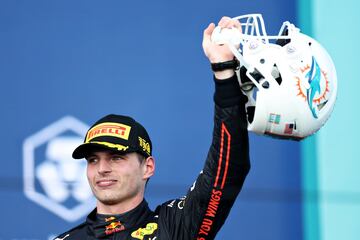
141,232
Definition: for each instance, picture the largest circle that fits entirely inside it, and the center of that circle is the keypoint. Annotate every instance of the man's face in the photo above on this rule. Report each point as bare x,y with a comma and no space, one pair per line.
115,178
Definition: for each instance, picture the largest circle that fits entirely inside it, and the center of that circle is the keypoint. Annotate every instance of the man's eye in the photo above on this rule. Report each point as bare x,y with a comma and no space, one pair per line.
91,160
117,157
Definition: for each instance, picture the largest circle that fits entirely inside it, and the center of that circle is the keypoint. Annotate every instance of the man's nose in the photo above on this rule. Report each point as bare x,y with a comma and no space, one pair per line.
104,166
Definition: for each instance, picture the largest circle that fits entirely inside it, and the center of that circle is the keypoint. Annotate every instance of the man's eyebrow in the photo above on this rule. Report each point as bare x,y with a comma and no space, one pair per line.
117,154
110,152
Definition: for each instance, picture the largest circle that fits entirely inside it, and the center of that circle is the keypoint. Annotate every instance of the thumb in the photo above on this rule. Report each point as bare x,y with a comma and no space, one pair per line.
208,31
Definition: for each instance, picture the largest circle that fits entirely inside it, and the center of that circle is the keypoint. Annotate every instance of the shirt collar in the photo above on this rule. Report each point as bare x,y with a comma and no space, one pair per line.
104,225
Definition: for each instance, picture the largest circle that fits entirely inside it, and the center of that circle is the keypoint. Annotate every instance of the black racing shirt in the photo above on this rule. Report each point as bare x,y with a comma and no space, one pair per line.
202,211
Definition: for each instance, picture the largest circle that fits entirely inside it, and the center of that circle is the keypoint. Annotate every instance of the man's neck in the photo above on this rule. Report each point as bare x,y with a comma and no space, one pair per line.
118,208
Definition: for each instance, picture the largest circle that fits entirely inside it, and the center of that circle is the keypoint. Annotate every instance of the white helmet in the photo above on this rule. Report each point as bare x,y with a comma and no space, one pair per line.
289,79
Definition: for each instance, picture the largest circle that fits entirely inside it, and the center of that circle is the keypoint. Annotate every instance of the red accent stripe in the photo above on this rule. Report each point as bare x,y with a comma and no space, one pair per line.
227,156
202,232
221,154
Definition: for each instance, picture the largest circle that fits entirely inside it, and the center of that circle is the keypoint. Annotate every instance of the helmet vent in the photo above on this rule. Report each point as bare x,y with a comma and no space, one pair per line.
265,85
246,84
321,105
250,113
243,78
282,42
276,74
257,75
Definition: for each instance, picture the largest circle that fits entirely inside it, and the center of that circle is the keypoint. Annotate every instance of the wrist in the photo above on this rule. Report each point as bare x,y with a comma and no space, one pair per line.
225,69
225,74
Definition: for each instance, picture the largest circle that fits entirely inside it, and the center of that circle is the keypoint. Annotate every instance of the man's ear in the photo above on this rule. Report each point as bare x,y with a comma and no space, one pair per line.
149,167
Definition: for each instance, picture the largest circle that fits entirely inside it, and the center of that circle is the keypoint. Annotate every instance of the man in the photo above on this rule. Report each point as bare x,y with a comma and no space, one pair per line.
118,153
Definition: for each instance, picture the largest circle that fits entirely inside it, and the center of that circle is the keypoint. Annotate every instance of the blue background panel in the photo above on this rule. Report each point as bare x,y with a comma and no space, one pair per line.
89,58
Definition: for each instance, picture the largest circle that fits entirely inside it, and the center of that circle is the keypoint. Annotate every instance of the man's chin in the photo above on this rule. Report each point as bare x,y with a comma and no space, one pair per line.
108,200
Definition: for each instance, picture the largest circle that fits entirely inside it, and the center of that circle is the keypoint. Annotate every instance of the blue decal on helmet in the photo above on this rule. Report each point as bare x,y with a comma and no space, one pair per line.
314,77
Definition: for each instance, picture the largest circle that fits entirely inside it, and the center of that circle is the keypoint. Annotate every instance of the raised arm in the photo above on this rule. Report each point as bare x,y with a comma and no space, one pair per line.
203,211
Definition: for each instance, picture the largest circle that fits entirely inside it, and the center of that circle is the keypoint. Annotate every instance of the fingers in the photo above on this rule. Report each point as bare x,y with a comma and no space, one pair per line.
208,31
227,22
237,24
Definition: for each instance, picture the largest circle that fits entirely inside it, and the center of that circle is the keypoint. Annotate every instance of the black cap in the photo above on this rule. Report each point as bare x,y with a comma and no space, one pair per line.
118,133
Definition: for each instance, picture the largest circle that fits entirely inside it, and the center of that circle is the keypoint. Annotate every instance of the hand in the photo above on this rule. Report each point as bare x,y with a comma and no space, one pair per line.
215,52
219,53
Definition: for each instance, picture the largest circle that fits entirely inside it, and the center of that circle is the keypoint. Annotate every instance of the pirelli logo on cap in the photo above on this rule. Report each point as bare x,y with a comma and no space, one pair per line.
108,129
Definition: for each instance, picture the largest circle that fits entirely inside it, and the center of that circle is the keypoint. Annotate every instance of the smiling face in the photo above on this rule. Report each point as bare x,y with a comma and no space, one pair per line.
118,178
